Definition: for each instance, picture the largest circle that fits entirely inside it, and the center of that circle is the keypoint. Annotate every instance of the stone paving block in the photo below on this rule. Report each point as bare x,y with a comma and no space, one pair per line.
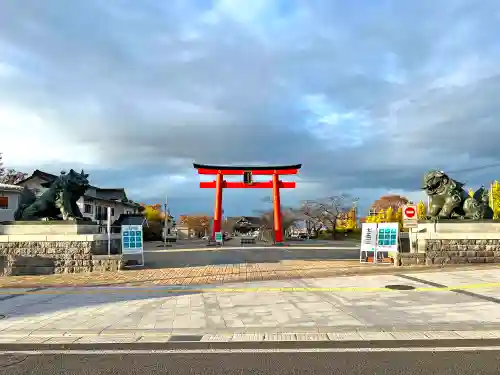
248,337
32,340
478,334
10,339
376,336
442,335
154,339
344,336
278,336
107,339
62,340
312,337
409,335
217,337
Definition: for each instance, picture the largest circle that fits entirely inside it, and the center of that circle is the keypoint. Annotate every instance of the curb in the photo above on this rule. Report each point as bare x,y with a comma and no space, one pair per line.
127,337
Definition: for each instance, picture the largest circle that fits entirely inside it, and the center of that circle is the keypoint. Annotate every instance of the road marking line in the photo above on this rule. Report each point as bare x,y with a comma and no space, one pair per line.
117,290
227,351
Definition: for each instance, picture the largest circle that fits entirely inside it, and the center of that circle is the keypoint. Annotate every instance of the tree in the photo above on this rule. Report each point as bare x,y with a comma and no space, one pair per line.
329,211
10,176
384,202
153,213
288,219
421,210
312,215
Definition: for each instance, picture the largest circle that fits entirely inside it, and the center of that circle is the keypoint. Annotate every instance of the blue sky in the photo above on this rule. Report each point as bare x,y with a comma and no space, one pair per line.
368,95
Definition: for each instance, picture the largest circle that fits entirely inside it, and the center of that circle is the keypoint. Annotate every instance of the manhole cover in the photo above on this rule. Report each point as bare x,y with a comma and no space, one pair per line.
400,287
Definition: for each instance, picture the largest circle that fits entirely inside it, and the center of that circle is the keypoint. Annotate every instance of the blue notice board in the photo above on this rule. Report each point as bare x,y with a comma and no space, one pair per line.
132,239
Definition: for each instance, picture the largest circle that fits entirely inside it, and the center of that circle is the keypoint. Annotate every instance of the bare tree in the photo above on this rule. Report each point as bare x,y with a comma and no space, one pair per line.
327,211
288,219
10,176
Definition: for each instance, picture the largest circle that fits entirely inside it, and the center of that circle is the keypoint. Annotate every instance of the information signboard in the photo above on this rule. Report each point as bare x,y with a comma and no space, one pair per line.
368,242
132,241
387,242
218,237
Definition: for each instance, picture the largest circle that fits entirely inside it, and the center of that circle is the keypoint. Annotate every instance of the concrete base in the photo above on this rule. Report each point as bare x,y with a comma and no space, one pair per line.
48,228
57,247
454,242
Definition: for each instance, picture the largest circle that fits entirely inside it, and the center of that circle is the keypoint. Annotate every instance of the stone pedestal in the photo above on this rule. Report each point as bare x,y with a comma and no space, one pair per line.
456,242
48,228
40,248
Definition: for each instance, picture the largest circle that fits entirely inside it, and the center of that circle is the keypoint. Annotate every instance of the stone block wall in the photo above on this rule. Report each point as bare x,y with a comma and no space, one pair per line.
409,259
462,251
453,251
49,257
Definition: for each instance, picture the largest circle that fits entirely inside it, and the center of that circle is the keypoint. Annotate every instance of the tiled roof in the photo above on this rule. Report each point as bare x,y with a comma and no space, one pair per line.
10,187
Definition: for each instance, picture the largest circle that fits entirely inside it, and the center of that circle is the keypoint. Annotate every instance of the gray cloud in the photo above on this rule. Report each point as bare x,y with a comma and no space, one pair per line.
149,88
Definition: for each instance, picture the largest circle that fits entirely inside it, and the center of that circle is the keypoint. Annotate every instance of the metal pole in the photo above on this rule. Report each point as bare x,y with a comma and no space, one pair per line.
165,225
109,231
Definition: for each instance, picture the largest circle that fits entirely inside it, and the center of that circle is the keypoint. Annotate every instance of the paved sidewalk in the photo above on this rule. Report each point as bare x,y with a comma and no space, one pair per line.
210,274
332,308
219,274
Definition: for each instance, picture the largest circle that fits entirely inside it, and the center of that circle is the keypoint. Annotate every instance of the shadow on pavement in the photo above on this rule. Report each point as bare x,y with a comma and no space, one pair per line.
178,259
72,304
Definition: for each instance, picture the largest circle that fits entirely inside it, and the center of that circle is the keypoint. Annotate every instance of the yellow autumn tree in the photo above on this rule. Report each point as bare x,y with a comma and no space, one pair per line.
421,210
154,213
399,216
380,216
495,199
389,215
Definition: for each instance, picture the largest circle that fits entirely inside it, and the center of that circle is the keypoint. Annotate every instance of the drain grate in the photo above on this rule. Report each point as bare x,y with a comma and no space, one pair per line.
400,287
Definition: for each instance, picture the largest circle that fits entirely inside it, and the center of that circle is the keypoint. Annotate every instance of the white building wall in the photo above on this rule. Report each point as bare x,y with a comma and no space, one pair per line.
118,208
7,214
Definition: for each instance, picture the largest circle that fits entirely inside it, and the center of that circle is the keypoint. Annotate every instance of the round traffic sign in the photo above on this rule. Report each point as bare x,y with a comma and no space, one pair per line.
410,212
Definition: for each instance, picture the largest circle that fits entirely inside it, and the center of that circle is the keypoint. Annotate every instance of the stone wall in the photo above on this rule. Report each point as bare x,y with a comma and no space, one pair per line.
461,251
49,257
409,259
453,251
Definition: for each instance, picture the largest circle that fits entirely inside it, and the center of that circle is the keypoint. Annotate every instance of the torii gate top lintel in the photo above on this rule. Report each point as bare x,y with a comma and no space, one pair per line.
240,169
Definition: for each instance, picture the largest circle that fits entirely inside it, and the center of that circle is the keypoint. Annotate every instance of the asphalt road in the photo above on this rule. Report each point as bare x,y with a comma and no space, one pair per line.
157,257
277,363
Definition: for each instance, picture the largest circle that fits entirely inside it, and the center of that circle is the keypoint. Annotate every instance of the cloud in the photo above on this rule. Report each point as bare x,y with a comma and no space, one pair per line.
367,95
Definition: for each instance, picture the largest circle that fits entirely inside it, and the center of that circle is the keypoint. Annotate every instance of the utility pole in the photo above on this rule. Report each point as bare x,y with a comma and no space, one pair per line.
166,223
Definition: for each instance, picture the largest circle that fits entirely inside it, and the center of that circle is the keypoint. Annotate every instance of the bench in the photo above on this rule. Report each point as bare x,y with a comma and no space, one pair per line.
248,241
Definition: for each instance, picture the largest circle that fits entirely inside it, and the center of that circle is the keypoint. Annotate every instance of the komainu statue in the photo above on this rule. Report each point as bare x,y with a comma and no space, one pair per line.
448,199
58,202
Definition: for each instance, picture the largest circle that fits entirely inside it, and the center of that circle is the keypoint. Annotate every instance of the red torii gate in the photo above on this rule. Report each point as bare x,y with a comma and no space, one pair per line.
247,172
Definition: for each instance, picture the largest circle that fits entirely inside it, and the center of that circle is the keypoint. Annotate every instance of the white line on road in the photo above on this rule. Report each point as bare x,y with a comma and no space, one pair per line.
236,351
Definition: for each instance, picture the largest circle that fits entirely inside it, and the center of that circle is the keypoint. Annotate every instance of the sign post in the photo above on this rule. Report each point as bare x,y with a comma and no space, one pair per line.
410,217
368,243
132,241
387,242
219,238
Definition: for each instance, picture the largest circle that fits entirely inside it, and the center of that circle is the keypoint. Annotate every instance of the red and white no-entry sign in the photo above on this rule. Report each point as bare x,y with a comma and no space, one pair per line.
410,212
410,219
